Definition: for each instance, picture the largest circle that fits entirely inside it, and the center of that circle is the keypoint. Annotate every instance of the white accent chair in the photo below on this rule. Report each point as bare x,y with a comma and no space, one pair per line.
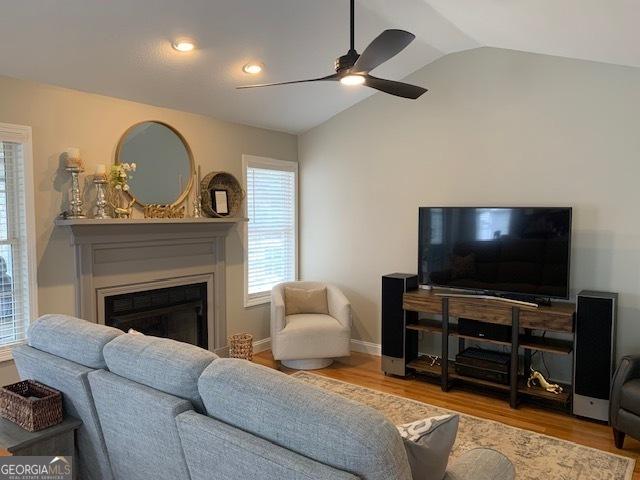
308,341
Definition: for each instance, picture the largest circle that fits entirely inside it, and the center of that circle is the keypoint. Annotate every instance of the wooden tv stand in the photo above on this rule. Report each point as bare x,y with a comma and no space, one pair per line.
558,317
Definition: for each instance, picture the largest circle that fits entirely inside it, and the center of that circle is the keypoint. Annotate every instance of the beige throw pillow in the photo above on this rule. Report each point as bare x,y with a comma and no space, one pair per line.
301,300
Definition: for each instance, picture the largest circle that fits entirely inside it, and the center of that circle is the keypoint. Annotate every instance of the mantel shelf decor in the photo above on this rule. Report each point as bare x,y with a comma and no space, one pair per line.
163,211
70,222
74,165
221,182
120,201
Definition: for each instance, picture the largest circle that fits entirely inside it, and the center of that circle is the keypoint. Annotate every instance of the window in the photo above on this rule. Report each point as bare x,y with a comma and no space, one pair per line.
437,226
271,239
492,223
17,237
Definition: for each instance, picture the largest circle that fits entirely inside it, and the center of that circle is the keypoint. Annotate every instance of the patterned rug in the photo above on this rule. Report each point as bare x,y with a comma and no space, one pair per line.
535,456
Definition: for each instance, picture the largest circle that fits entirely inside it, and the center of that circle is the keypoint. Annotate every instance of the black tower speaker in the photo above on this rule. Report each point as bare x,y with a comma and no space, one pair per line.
594,353
399,345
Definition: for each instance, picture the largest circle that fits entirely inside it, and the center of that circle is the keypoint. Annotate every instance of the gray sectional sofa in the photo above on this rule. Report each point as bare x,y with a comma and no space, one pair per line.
157,409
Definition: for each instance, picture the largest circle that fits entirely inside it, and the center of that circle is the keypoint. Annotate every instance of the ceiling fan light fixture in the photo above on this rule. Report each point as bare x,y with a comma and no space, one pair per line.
183,46
351,80
252,68
352,69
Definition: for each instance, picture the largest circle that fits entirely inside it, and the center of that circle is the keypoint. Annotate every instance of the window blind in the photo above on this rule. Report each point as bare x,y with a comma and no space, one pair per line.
14,261
271,207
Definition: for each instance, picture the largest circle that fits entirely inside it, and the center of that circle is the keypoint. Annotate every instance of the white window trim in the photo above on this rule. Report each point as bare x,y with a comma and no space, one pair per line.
273,164
22,134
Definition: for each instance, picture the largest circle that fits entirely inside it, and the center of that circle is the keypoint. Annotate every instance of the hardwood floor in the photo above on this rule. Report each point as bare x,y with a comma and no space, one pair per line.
362,369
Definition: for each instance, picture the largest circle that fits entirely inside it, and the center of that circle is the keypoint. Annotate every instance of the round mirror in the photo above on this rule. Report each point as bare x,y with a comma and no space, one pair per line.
164,163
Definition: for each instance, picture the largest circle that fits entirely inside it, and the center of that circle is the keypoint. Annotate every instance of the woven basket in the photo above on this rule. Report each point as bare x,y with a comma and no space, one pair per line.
31,405
222,181
241,346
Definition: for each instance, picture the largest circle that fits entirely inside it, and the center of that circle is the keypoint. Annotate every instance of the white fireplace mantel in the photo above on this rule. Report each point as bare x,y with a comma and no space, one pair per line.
126,253
86,229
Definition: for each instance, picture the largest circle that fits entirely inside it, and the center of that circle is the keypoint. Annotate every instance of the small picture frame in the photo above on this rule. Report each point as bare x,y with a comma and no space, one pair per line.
219,201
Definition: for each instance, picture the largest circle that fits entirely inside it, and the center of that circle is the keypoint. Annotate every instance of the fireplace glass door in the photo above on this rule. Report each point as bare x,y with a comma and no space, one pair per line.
179,313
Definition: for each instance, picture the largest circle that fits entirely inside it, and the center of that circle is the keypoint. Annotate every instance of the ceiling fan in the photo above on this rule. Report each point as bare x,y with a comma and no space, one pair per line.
353,69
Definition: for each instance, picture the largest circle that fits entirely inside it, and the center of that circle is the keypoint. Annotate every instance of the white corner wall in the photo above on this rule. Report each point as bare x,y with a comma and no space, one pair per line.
497,127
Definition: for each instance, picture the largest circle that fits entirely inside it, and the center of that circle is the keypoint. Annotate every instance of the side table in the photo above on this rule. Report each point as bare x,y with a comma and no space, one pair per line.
57,440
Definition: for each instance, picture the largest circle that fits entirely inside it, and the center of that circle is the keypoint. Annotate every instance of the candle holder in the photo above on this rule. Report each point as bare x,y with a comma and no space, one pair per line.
197,207
76,198
101,199
197,201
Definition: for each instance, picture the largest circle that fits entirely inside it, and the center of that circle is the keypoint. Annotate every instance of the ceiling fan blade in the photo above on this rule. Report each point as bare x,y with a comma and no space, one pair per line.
385,46
321,79
392,87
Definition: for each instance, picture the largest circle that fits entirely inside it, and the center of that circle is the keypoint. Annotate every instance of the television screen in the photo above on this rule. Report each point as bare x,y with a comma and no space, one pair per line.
522,251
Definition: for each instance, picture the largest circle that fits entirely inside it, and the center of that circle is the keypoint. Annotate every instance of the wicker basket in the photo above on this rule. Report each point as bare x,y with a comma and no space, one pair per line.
31,405
222,181
241,346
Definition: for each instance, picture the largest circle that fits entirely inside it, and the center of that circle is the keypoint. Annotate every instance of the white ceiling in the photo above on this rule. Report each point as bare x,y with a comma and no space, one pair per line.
599,30
122,48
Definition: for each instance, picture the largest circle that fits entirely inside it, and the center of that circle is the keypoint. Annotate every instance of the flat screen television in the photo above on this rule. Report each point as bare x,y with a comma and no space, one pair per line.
522,252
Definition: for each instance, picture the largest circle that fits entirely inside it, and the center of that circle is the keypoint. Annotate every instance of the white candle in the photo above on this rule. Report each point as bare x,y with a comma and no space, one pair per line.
101,170
73,159
73,152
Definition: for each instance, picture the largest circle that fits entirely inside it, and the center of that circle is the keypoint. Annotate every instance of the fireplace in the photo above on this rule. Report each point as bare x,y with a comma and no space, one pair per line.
179,313
116,257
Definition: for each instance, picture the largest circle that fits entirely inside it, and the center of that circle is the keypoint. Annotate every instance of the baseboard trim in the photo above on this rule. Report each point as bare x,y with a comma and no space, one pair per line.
258,346
222,351
371,348
356,346
366,347
262,345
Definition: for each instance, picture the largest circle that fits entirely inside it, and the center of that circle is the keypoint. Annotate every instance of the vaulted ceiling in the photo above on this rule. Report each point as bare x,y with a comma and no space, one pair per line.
122,48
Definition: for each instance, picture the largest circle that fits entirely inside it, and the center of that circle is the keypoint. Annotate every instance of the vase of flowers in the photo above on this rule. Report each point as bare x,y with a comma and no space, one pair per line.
120,199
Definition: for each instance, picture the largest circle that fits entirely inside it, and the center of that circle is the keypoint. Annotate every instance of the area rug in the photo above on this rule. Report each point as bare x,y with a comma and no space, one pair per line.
534,455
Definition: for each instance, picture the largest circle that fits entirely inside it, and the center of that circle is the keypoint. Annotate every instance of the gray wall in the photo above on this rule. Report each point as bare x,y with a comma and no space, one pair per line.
497,127
61,118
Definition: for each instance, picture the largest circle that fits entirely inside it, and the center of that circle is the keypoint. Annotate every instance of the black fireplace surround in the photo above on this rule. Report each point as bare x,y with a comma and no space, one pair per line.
179,313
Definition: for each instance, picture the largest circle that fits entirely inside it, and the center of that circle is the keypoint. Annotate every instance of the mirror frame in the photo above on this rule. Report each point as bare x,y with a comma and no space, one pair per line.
185,193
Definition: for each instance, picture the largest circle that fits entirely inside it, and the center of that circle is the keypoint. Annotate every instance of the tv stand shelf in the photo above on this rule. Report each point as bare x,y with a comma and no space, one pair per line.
532,342
422,365
557,317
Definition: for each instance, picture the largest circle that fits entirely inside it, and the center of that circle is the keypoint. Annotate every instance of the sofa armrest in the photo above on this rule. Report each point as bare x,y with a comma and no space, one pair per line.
277,310
628,369
481,464
339,306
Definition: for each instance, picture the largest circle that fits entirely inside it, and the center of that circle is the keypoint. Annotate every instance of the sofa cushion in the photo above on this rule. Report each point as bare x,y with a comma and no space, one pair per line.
71,338
166,365
311,324
139,427
311,335
428,443
305,300
206,440
481,464
630,396
312,422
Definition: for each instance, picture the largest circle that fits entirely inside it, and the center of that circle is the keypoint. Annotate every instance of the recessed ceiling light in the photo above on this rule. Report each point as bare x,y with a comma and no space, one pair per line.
252,68
183,45
352,80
